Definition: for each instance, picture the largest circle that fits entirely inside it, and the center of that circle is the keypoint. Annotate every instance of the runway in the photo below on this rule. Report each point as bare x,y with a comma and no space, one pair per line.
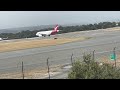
100,41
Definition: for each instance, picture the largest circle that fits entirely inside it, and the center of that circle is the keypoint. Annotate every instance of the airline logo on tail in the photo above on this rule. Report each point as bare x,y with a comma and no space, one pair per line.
56,27
55,30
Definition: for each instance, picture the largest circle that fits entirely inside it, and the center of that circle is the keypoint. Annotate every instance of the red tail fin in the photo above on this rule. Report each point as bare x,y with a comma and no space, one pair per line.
55,29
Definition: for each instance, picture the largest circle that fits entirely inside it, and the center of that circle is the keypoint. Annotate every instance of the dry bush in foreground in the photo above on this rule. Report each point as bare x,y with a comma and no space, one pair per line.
89,69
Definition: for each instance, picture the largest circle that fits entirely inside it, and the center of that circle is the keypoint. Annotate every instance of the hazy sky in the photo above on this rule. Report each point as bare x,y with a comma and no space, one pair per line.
11,19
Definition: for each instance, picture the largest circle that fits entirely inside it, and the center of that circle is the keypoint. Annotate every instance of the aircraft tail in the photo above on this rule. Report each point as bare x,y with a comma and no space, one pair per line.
56,28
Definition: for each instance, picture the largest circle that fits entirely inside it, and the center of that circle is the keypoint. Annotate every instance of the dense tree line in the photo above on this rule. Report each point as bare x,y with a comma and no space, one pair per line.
29,34
101,25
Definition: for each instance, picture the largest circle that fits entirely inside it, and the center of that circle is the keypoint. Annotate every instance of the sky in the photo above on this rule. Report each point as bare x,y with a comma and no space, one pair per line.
13,19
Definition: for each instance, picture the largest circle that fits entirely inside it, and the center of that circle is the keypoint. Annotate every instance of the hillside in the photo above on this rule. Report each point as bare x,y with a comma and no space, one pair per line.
19,29
32,28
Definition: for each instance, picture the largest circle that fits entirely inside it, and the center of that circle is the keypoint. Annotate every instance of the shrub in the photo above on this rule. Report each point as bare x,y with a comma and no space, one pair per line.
89,69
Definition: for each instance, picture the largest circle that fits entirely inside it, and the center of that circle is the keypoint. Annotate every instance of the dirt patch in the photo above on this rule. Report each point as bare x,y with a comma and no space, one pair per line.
113,29
26,44
32,74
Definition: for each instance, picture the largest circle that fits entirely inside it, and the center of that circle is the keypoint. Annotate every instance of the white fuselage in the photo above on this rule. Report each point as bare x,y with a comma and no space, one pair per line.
44,33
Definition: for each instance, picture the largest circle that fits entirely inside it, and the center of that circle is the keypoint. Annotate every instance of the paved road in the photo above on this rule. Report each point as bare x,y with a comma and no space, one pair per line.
60,54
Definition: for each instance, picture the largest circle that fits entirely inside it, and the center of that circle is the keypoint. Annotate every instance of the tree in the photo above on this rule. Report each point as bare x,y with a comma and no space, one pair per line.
89,69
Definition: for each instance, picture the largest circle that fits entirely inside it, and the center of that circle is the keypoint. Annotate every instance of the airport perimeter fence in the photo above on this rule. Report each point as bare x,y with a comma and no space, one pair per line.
38,66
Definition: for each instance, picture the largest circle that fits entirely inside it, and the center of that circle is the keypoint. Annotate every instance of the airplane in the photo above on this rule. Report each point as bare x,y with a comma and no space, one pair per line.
48,33
3,39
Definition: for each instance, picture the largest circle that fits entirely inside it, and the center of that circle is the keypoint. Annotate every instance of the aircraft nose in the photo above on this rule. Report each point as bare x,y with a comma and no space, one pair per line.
36,34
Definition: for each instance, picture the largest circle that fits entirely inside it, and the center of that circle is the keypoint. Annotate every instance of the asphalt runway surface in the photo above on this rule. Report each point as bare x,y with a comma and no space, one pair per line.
100,41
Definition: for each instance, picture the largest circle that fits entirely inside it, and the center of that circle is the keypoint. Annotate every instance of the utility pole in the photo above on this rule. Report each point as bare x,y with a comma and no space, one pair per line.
22,70
93,55
114,55
48,67
72,59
